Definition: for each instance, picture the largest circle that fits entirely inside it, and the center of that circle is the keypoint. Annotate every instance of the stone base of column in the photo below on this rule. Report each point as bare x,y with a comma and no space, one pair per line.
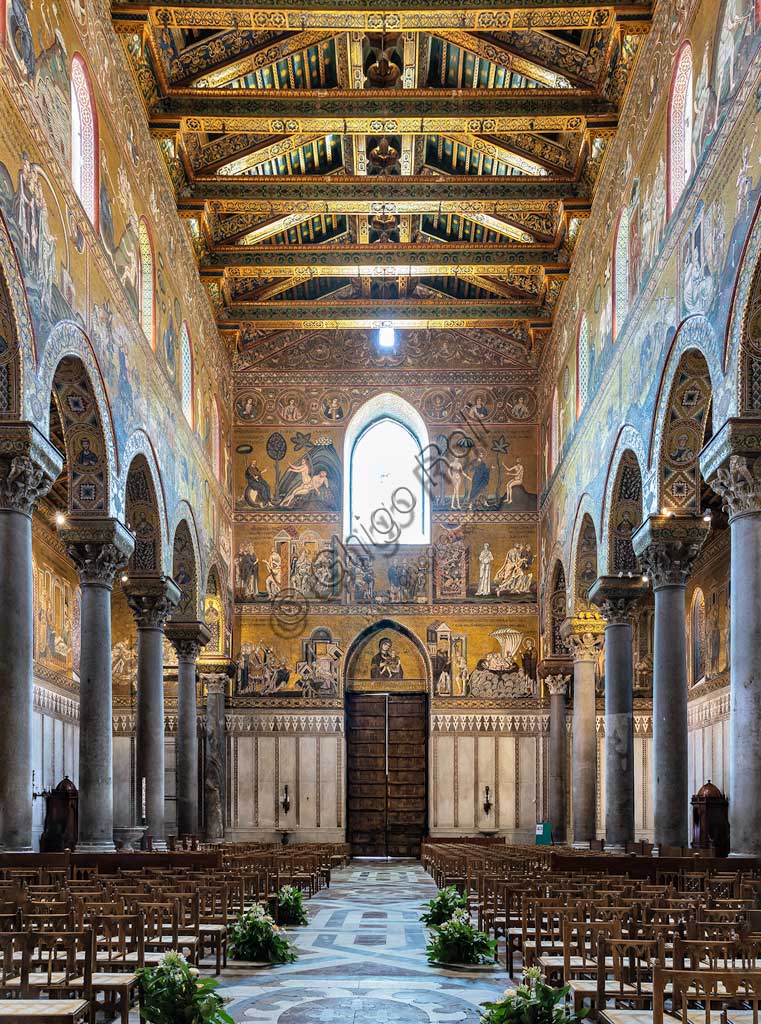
159,846
580,845
17,849
104,847
615,848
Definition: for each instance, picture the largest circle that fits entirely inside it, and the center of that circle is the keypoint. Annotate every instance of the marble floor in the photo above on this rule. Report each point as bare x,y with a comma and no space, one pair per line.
362,960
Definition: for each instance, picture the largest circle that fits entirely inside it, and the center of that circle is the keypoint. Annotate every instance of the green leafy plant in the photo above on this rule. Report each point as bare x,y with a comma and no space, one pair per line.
532,1002
458,941
173,993
442,906
255,936
290,906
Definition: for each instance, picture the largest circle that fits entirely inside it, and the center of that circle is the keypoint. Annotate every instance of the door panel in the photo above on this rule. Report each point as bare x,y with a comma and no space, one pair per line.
386,785
407,773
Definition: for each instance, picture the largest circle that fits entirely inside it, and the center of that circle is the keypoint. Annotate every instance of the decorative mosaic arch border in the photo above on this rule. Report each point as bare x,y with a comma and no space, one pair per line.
695,333
629,439
25,339
362,637
545,593
139,443
183,511
586,506
735,335
68,339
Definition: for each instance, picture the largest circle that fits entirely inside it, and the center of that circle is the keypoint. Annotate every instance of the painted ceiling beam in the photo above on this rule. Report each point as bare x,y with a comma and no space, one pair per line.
369,313
442,258
366,15
272,196
508,59
358,112
220,73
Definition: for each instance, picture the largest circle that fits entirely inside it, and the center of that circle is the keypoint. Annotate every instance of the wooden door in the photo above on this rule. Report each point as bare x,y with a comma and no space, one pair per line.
386,774
406,817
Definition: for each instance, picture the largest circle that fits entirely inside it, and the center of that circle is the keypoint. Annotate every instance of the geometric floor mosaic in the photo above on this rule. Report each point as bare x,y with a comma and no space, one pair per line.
362,960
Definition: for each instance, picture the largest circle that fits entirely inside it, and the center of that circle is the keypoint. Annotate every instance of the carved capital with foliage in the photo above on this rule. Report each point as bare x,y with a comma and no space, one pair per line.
556,686
29,465
98,547
667,546
215,683
617,596
151,598
188,639
731,462
584,635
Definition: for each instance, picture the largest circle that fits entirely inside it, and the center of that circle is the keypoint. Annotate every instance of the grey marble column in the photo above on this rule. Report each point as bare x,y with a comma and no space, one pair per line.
583,634
731,463
617,597
188,638
151,598
28,466
215,773
98,548
667,546
557,687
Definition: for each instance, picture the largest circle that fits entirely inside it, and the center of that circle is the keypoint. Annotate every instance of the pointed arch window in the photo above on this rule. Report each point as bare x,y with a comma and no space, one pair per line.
621,273
84,139
186,367
554,431
216,440
146,291
698,636
582,366
389,466
679,153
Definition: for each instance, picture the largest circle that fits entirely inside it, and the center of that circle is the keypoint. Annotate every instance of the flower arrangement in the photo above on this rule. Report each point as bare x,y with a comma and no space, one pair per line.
532,1002
254,936
173,993
458,941
290,906
442,906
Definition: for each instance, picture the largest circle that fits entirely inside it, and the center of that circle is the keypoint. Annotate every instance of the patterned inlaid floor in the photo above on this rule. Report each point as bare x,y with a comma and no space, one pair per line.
362,960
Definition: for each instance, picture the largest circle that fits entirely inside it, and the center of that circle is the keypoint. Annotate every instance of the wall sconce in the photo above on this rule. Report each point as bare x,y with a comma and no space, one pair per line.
487,802
44,793
285,803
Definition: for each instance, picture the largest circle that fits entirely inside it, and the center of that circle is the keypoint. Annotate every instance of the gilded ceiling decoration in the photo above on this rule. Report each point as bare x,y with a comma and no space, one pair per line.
344,166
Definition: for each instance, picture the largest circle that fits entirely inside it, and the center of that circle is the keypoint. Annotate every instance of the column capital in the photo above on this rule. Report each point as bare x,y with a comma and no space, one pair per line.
557,686
554,665
187,638
98,547
584,634
215,683
616,597
151,598
29,465
667,546
731,463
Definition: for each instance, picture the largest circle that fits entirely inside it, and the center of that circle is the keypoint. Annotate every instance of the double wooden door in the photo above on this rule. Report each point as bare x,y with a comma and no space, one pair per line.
386,773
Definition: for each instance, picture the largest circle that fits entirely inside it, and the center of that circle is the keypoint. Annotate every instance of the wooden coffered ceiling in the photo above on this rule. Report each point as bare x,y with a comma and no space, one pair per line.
342,166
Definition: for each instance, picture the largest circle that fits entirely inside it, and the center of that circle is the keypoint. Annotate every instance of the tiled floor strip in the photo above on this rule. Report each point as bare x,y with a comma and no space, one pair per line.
362,960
